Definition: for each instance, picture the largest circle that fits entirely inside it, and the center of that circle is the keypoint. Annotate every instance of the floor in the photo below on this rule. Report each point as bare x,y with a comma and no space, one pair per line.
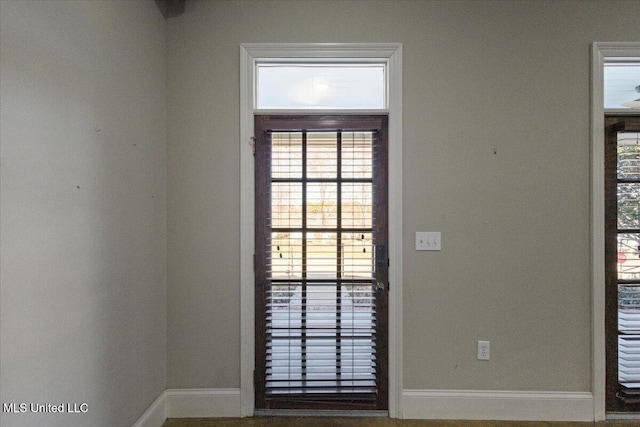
372,422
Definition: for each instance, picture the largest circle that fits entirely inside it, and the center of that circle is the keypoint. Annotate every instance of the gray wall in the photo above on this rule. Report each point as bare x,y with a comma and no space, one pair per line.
496,157
83,209
106,283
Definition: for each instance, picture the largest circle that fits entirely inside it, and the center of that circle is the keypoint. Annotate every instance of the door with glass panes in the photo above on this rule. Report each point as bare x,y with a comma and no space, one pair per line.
622,263
321,262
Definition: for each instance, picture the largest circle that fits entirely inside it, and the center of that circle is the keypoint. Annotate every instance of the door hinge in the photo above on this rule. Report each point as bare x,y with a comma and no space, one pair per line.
252,143
254,263
255,378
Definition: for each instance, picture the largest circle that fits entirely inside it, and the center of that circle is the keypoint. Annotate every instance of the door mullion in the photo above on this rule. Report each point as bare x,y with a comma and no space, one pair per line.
303,308
339,254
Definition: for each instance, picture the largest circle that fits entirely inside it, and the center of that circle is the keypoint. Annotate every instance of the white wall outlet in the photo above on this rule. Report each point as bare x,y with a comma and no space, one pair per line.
484,350
428,240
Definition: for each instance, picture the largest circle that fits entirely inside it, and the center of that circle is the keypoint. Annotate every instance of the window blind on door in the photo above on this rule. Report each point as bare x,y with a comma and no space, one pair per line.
628,263
621,261
320,323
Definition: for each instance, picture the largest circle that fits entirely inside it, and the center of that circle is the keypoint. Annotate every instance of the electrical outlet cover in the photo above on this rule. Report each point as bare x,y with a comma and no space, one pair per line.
484,350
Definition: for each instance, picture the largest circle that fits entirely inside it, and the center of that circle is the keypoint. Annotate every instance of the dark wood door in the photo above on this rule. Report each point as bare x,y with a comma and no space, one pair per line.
622,263
321,262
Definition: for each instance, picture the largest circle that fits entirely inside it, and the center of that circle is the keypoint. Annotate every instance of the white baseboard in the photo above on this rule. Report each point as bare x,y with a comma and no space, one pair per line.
416,404
497,405
192,403
155,416
197,403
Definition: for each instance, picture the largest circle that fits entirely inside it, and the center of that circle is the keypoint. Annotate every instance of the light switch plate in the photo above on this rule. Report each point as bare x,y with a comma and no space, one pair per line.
428,241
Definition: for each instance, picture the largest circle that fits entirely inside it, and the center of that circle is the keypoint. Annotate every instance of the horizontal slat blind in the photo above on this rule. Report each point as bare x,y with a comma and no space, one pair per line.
320,299
628,264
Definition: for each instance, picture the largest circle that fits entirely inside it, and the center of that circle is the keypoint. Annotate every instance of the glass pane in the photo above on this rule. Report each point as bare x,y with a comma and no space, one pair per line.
357,153
321,297
356,205
321,86
629,361
620,82
629,256
357,256
322,155
322,255
359,298
286,205
629,156
286,255
628,308
281,297
322,205
628,205
286,155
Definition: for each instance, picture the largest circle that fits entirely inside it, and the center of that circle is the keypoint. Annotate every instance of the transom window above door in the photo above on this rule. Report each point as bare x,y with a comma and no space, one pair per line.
323,86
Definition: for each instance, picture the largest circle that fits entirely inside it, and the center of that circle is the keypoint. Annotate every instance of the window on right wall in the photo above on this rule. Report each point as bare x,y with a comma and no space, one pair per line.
622,262
621,77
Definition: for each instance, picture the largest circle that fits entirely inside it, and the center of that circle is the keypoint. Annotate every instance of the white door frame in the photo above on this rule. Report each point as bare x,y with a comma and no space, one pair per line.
250,54
599,53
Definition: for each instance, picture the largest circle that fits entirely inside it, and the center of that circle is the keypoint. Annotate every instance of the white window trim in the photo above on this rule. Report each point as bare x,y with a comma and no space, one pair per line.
599,53
249,54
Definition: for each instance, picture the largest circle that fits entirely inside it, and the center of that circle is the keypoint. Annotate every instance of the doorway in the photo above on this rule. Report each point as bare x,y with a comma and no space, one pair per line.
321,262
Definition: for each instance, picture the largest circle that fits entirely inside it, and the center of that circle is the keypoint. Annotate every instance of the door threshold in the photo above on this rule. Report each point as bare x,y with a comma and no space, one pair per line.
623,416
318,413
